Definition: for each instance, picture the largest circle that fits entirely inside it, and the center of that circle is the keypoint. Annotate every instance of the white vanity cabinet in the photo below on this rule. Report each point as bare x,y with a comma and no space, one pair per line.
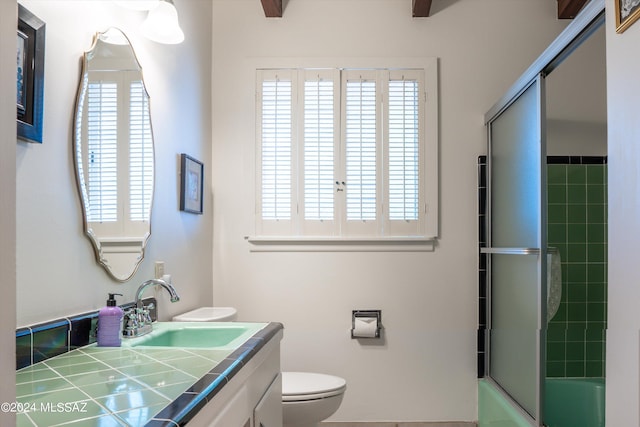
268,412
252,397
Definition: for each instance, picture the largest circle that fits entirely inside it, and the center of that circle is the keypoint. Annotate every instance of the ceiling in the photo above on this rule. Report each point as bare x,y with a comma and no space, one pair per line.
567,9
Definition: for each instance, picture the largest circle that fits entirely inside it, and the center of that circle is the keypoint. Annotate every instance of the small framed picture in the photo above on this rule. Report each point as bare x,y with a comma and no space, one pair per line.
627,12
29,75
192,180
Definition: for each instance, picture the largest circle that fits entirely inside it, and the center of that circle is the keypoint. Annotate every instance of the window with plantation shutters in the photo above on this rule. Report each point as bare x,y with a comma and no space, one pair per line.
102,164
140,151
347,154
117,168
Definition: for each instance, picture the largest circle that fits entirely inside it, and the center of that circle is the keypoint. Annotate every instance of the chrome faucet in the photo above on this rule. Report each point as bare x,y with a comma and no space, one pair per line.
168,286
137,320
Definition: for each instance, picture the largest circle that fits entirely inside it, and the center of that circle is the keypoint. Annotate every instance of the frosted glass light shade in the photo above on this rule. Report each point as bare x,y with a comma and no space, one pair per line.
162,24
138,4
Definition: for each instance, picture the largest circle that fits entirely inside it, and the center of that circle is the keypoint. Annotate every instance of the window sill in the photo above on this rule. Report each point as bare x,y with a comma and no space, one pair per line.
340,244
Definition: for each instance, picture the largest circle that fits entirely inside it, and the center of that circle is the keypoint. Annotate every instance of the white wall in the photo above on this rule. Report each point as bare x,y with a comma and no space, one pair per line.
571,138
576,101
426,368
57,274
8,12
623,101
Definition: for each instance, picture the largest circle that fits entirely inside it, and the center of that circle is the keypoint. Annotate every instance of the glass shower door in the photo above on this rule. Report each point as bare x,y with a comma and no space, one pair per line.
516,246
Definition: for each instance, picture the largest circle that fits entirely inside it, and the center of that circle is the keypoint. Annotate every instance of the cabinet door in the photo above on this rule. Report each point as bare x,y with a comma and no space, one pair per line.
236,413
268,412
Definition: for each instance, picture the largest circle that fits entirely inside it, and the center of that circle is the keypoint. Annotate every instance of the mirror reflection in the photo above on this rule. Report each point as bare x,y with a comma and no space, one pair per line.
113,149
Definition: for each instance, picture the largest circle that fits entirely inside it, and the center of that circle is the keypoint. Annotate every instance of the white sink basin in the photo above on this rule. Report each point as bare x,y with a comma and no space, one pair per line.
208,314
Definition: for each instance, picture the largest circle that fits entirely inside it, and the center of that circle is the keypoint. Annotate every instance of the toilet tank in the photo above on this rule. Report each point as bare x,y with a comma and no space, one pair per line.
208,314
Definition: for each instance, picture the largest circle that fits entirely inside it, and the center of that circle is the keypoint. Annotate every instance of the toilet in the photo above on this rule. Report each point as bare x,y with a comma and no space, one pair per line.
308,398
208,314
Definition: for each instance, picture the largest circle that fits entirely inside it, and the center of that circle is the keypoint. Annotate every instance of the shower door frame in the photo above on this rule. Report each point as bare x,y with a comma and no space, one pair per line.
590,18
535,414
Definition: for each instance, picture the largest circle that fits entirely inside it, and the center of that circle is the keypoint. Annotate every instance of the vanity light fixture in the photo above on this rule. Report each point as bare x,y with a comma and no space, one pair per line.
162,24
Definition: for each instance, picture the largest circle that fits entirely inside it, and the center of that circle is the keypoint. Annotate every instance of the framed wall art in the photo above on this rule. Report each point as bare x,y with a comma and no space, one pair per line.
29,75
191,184
627,12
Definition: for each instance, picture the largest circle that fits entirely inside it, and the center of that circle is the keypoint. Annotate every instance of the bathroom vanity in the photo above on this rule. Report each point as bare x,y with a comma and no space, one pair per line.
252,398
230,378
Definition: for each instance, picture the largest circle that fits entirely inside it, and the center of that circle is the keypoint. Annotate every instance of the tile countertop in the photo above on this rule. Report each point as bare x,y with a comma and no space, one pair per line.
127,386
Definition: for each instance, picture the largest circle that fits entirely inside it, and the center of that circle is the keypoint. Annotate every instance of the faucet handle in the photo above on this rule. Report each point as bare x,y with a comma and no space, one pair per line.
145,315
130,319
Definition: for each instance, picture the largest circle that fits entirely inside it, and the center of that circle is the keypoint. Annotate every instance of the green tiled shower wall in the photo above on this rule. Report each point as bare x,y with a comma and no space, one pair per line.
577,226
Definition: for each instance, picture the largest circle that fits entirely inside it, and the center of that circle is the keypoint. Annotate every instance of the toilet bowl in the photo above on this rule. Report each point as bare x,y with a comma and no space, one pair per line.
308,398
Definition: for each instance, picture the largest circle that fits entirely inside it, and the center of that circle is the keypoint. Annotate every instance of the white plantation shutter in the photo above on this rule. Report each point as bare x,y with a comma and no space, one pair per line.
404,136
403,149
276,128
102,142
318,157
117,200
344,153
276,150
361,147
140,151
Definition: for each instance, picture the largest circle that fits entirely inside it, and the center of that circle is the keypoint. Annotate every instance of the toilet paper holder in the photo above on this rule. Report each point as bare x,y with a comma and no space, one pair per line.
373,316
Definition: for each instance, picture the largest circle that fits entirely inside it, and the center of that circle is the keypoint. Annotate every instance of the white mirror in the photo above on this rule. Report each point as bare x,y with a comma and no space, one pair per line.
113,149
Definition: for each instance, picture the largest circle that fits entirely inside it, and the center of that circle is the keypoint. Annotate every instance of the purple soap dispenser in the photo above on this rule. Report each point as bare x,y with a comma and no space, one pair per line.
110,324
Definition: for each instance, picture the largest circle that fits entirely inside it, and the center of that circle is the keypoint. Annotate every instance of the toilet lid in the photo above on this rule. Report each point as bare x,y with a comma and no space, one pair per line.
307,385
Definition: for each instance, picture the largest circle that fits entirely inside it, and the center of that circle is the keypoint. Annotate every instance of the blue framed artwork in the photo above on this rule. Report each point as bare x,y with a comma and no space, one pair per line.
30,75
191,188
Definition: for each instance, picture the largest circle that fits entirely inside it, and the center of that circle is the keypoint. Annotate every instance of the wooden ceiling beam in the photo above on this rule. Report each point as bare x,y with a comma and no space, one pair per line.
568,9
421,8
272,8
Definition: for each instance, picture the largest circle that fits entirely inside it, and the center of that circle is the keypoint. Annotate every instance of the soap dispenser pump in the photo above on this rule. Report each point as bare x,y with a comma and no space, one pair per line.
110,324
